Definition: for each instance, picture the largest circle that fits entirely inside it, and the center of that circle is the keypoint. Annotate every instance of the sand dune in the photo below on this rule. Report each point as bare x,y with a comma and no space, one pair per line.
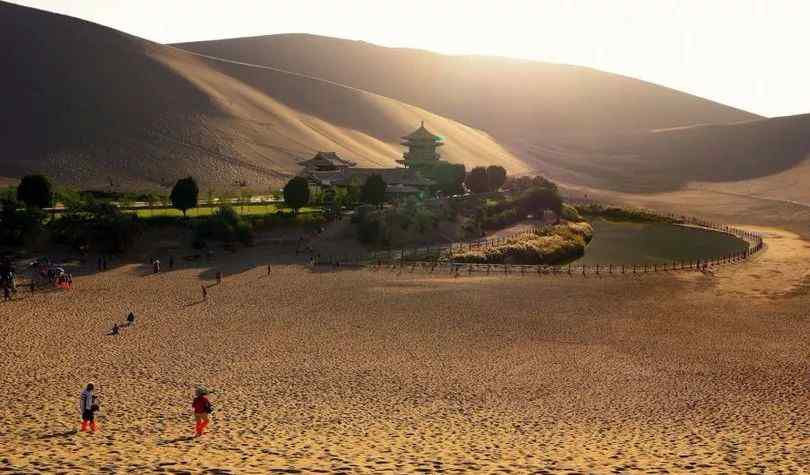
91,105
510,99
364,372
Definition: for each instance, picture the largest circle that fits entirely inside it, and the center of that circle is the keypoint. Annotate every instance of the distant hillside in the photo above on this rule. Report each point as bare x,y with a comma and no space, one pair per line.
510,99
766,158
92,106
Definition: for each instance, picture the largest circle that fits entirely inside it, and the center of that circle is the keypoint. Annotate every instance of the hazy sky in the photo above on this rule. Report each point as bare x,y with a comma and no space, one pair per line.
745,53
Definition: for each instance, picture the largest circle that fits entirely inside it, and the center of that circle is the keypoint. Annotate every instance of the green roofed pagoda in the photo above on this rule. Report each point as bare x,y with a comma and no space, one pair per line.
422,145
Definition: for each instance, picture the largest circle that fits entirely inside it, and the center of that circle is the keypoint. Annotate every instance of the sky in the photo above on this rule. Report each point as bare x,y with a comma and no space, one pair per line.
749,54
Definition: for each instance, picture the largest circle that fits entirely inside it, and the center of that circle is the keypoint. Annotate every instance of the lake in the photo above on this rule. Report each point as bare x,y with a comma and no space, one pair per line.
621,242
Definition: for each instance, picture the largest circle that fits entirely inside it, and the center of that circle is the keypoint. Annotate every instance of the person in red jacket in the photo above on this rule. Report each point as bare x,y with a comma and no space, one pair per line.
202,410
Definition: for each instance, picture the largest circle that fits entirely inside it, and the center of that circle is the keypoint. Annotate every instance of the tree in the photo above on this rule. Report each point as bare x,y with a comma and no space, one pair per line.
537,200
449,177
496,177
296,193
477,180
35,191
184,194
373,191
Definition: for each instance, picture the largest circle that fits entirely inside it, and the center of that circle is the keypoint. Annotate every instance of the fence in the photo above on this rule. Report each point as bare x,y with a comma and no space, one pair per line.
438,259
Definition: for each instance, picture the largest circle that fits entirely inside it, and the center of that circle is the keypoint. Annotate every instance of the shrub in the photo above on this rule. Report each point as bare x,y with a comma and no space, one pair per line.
225,225
569,213
96,225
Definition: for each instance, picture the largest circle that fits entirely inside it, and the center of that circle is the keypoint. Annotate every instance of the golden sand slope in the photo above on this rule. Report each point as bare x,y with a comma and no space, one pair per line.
509,98
92,106
356,371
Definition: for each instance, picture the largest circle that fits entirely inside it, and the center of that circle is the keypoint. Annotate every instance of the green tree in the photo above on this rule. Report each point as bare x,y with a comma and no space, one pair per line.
496,177
537,200
35,191
184,194
296,193
477,180
373,191
449,177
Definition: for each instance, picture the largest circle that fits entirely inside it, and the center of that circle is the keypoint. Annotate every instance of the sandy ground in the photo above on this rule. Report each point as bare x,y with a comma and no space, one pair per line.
361,371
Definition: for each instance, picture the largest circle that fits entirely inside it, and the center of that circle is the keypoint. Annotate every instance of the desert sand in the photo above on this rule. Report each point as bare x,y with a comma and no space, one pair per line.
360,371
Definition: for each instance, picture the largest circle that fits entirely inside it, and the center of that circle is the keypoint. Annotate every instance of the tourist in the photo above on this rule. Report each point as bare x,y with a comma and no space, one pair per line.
33,284
204,292
171,262
202,409
6,293
130,318
156,266
87,406
219,277
268,269
69,280
115,329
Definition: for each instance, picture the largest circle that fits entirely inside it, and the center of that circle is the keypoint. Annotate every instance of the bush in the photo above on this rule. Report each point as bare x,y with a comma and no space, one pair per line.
225,225
99,226
569,213
18,226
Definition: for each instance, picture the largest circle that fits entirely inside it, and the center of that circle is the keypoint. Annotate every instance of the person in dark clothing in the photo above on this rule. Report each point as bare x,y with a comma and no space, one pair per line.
131,318
115,329
204,292
171,262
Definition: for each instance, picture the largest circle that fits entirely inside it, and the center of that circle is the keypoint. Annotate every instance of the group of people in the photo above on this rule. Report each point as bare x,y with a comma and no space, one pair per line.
116,329
89,405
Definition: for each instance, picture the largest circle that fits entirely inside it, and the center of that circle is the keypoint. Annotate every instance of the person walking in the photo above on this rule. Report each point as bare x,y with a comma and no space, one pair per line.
156,266
219,277
204,292
88,408
202,410
171,262
268,269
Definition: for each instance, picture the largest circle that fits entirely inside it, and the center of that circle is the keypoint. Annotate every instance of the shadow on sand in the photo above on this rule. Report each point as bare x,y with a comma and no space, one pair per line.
55,435
185,438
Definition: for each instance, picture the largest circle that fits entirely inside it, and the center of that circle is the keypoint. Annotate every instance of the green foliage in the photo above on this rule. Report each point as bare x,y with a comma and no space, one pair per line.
373,191
184,194
496,177
225,225
537,200
19,226
96,225
477,180
570,213
449,177
296,193
35,191
524,183
554,245
623,214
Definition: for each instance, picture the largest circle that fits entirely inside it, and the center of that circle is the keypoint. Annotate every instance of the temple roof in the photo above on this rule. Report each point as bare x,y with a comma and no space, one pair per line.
327,158
422,134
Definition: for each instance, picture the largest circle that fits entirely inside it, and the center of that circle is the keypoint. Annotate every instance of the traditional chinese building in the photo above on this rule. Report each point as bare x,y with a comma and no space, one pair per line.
325,162
422,145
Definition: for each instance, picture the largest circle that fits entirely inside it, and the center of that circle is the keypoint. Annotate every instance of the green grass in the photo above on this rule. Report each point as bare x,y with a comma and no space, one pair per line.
247,210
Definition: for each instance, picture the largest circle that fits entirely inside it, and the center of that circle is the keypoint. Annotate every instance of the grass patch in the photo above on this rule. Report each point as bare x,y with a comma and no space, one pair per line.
554,245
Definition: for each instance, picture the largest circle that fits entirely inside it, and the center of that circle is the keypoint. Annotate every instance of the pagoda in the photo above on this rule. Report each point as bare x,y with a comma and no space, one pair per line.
422,145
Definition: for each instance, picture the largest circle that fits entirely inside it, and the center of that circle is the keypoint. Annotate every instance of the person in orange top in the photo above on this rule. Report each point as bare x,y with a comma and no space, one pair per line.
202,410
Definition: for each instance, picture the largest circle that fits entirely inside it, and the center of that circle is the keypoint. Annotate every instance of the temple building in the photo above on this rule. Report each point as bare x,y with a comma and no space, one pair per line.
422,145
325,162
327,170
